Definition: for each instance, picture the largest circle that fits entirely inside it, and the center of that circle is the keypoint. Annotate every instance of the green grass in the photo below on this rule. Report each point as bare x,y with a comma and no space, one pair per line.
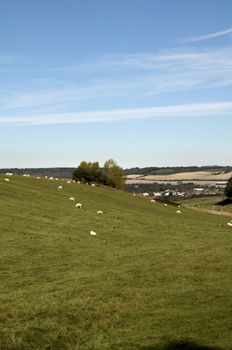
209,203
149,276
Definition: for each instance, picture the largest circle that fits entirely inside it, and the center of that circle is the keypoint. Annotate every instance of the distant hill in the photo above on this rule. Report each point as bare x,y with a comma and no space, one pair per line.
61,173
66,173
176,170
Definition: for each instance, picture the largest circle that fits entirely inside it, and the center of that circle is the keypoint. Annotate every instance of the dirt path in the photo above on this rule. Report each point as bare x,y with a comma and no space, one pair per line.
210,211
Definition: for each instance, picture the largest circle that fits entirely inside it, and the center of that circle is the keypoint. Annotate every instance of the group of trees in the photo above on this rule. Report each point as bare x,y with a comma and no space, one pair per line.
110,175
228,189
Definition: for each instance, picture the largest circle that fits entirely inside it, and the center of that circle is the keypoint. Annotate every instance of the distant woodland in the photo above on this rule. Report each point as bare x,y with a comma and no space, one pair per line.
66,173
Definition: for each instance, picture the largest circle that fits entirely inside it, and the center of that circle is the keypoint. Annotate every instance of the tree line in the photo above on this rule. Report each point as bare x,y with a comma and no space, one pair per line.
110,175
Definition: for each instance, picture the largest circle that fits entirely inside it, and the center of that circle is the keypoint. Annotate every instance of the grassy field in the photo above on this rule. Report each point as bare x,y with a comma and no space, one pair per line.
209,203
149,277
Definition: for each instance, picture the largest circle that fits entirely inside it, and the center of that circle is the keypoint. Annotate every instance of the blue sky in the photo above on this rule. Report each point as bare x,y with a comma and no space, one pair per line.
145,82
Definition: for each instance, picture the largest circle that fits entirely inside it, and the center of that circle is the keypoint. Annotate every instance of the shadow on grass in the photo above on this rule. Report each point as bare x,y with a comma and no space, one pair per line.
180,345
225,201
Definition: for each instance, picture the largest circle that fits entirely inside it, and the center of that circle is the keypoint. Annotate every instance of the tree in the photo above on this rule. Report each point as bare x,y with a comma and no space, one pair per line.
114,174
111,175
228,189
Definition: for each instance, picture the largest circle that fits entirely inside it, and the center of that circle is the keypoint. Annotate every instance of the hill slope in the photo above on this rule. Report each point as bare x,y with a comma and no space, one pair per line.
149,275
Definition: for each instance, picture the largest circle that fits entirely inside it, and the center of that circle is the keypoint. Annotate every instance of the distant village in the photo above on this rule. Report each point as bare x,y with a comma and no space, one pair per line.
181,190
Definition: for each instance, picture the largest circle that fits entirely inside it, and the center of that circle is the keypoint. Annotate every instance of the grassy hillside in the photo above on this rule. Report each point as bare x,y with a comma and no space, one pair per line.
209,203
149,276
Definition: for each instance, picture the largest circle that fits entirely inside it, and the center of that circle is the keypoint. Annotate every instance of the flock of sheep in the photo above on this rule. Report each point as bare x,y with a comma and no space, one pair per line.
79,205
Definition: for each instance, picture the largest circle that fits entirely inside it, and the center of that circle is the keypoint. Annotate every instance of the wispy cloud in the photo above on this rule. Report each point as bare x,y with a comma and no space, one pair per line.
208,36
173,111
131,76
9,59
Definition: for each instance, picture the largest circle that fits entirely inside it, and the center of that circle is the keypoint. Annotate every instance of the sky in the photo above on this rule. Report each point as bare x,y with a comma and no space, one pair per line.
145,82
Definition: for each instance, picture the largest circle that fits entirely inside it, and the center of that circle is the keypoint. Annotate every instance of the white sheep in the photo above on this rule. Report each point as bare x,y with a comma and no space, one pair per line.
93,185
7,180
8,174
178,211
229,224
68,182
51,178
38,177
165,204
78,205
152,200
59,187
99,212
93,233
145,194
72,199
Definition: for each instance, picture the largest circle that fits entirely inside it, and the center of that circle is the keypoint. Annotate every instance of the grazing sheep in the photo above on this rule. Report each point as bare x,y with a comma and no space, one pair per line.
152,200
38,177
7,180
24,175
92,233
178,206
8,174
72,199
178,211
99,212
59,187
51,178
68,182
93,185
78,205
229,224
145,194
165,204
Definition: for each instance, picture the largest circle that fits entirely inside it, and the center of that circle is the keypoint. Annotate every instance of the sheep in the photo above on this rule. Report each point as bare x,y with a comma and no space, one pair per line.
38,177
145,194
68,182
59,187
8,174
152,200
229,224
72,199
78,205
178,211
7,180
51,178
24,175
165,204
93,185
99,212
93,233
